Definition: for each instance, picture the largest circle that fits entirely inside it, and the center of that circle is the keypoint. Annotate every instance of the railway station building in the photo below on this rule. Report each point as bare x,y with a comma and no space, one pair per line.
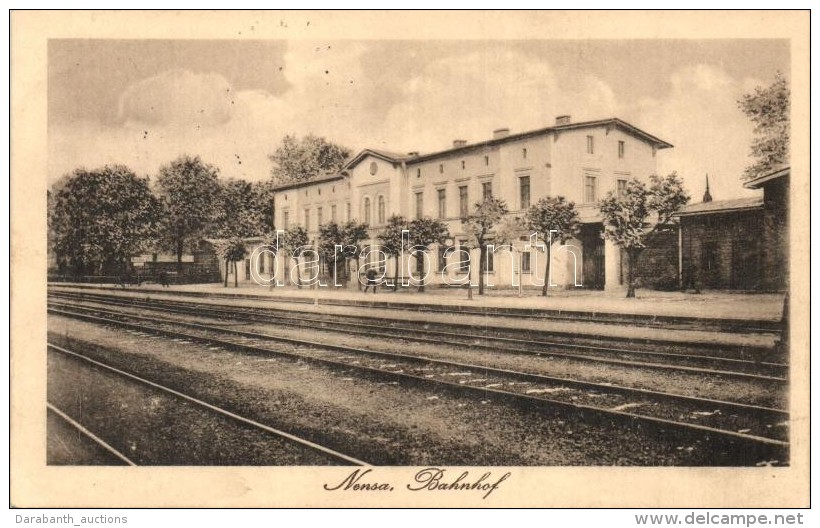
740,244
580,161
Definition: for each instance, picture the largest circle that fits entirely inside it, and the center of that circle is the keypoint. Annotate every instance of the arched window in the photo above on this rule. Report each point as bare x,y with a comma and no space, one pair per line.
381,209
367,211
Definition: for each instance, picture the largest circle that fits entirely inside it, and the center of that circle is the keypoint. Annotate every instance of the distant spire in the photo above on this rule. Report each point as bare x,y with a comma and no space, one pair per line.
706,196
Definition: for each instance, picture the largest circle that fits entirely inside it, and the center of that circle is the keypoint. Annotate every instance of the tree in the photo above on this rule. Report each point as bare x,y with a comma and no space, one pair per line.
244,209
271,243
101,218
294,241
626,216
331,235
300,160
768,108
231,250
553,219
424,232
190,194
392,242
353,233
478,225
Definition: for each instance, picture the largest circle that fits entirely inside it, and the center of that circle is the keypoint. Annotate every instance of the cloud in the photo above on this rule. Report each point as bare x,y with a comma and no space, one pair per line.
469,96
178,97
699,115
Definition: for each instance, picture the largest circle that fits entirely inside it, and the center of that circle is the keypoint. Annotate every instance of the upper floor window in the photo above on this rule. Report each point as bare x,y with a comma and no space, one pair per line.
524,153
441,168
621,149
418,173
380,206
319,216
333,213
590,145
486,160
367,211
590,189
621,188
524,191
463,203
285,220
419,204
442,203
487,190
463,164
348,211
307,219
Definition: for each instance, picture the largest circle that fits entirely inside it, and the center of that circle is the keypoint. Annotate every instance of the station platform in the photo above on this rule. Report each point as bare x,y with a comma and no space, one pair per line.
652,316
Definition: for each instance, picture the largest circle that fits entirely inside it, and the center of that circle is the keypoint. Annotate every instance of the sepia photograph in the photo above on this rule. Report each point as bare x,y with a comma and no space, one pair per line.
410,269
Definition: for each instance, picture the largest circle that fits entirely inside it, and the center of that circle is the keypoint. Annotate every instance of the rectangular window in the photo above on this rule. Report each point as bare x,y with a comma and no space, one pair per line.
621,188
319,216
487,190
441,168
307,219
590,145
525,262
261,263
442,257
524,153
486,160
464,256
333,213
621,149
285,220
590,189
463,203
442,203
524,186
490,261
419,204
348,211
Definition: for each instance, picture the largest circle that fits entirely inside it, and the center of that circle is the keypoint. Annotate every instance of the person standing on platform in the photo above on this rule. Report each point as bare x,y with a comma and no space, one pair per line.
371,280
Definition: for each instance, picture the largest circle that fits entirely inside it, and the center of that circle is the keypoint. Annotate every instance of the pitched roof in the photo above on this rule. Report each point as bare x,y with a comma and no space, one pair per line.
318,179
386,155
722,206
614,122
395,157
757,183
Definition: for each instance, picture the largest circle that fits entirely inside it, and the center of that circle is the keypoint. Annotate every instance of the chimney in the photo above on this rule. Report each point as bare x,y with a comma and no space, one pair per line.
458,143
562,120
501,133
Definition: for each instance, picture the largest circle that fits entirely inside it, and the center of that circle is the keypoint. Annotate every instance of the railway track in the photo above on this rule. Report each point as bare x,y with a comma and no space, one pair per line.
89,436
316,453
740,366
758,432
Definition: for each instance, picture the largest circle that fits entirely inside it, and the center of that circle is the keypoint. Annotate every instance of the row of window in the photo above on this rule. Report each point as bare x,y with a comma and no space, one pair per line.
444,253
590,196
463,200
591,188
319,216
591,147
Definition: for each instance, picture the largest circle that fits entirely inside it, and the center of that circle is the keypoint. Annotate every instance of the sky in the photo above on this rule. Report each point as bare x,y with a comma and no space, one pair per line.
143,103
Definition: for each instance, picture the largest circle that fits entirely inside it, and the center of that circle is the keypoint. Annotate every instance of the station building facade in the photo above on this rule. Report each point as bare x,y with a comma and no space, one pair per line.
580,161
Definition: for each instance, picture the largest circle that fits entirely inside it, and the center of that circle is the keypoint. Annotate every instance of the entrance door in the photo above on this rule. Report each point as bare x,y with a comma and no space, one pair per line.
593,260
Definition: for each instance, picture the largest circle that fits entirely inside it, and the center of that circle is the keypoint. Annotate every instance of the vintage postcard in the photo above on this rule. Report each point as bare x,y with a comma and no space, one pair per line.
417,259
